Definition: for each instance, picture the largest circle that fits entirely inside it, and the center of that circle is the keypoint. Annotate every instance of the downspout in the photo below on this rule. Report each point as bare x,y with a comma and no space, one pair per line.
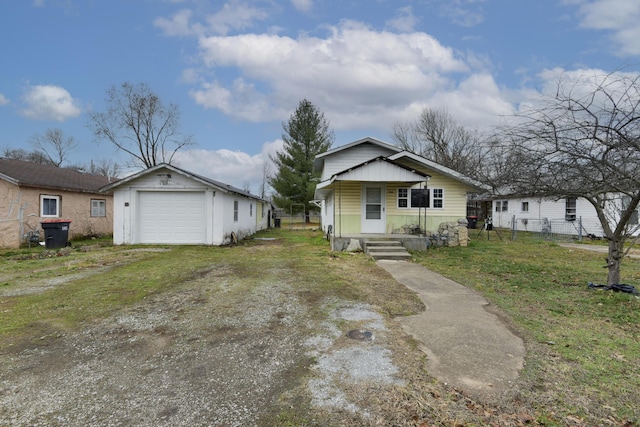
340,207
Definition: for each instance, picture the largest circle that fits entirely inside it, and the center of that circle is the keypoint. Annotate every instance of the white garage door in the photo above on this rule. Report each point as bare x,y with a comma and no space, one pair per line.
171,217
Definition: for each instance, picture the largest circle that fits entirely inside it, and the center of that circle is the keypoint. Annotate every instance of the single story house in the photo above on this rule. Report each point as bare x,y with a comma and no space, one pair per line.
372,187
573,216
31,193
168,205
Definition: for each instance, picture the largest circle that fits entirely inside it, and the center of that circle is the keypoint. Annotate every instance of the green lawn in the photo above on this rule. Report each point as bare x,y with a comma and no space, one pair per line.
583,345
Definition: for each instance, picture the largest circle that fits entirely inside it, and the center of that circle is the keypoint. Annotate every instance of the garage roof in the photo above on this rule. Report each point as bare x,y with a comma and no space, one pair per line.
221,186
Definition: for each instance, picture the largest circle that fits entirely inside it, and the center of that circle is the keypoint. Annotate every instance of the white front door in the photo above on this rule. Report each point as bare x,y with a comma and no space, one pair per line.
373,214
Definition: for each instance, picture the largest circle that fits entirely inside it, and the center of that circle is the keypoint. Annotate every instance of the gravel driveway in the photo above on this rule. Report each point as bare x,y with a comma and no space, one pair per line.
201,355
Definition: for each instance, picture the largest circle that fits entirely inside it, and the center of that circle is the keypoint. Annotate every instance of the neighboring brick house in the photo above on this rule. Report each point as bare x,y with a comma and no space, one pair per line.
31,193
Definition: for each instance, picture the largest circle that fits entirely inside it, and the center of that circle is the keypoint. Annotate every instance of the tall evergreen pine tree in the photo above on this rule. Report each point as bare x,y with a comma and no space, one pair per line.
305,135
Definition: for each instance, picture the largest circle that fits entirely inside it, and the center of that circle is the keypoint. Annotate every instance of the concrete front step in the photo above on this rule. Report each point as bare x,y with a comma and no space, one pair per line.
386,249
390,255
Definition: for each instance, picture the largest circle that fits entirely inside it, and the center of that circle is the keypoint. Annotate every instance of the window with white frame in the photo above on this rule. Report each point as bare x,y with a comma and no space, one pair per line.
98,207
250,209
49,206
505,206
438,198
420,197
525,207
235,211
498,205
403,198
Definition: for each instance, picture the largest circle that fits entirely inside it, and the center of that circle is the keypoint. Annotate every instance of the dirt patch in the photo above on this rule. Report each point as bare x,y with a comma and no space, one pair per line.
177,359
234,346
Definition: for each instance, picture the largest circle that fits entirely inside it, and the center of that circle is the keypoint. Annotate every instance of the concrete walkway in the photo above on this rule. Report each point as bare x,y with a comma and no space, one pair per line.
467,345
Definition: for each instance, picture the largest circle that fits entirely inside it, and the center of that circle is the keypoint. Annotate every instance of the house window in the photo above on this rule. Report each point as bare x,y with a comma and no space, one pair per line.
49,206
438,198
250,209
235,211
98,207
570,209
501,205
403,197
525,207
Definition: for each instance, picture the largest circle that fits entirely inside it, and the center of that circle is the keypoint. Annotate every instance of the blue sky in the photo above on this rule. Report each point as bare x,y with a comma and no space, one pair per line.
237,69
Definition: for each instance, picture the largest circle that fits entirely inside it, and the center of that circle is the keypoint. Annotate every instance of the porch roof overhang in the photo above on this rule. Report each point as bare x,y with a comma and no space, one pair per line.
380,169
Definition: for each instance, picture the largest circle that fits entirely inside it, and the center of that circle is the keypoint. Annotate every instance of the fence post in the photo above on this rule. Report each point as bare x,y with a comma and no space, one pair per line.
580,229
513,228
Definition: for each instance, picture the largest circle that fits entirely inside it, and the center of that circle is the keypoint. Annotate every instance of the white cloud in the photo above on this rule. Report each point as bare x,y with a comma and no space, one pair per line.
355,75
179,24
233,15
466,13
302,5
620,17
3,100
235,168
477,102
48,102
405,21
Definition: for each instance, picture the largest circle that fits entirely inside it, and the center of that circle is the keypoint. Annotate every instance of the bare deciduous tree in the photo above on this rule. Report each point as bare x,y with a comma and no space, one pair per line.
54,145
37,157
138,123
437,136
583,140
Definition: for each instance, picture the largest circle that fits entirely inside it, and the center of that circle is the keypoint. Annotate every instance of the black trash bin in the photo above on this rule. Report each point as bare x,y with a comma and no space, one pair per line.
472,221
56,233
276,222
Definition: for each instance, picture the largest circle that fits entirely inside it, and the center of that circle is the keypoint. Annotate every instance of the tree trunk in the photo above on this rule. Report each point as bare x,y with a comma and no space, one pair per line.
616,252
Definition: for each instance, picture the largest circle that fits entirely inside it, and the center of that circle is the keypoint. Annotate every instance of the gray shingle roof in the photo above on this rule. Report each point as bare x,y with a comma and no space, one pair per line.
27,174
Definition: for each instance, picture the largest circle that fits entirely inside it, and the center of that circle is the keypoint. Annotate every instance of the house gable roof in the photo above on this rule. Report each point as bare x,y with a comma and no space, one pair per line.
27,174
379,169
319,160
396,154
439,168
357,172
217,185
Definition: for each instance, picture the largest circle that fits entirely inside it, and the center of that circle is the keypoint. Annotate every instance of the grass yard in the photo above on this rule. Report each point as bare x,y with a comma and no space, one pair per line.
583,346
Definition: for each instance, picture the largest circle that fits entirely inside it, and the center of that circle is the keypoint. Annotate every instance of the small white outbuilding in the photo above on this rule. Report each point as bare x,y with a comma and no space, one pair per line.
168,205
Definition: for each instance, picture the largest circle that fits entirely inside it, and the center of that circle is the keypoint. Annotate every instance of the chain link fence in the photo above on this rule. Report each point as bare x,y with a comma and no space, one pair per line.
557,230
297,221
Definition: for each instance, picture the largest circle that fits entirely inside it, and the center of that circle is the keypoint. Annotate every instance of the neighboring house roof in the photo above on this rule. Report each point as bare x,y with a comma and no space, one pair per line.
27,174
204,180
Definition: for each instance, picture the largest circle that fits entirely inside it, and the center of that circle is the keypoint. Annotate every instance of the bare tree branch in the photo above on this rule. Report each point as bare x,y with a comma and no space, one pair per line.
584,141
137,123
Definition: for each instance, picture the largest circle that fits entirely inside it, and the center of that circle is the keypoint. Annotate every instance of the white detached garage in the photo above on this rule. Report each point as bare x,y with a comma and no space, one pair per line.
167,205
